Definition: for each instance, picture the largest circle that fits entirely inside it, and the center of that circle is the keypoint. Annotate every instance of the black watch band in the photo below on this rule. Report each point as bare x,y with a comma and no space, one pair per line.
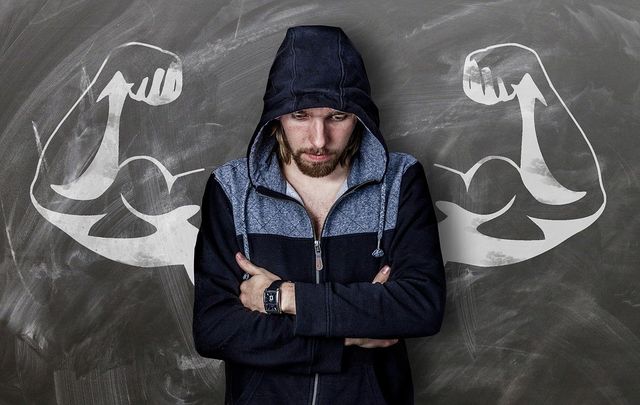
272,298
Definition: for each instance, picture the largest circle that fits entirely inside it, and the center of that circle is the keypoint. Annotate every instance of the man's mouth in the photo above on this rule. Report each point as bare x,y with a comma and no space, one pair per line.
318,158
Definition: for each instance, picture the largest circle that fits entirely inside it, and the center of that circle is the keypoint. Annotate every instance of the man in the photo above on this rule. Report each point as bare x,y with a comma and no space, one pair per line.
293,235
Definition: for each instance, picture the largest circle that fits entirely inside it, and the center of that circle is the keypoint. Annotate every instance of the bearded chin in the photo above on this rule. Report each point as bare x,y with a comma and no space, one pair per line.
319,169
313,169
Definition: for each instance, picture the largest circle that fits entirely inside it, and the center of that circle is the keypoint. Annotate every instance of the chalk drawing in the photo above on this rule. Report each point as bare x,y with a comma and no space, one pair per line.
461,240
172,242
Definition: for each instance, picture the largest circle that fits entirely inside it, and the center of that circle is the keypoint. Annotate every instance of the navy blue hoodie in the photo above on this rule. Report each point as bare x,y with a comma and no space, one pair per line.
384,217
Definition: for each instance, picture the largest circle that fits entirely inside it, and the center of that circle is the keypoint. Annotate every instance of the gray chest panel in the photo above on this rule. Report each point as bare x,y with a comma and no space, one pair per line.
356,211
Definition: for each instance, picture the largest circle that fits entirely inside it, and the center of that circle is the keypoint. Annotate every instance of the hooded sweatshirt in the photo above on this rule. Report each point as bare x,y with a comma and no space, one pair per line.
384,215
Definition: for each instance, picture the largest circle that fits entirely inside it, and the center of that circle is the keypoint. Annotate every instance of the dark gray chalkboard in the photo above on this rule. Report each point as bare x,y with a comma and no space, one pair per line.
544,288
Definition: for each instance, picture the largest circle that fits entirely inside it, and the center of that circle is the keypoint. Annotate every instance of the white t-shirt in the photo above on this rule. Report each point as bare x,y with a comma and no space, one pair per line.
291,192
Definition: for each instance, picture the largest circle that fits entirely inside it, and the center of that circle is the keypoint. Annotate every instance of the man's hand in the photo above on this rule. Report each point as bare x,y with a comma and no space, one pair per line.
381,277
252,290
369,343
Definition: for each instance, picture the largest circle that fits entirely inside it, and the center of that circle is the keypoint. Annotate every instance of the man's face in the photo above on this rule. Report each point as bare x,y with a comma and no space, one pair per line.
316,138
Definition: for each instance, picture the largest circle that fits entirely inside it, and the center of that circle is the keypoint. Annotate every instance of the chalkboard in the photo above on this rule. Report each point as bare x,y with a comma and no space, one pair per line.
524,115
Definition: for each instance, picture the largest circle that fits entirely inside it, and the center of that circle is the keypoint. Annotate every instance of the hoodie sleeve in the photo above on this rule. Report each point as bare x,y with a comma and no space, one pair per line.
409,304
223,328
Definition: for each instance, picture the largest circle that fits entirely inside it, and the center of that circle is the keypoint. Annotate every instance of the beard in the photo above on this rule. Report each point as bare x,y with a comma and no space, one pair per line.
314,169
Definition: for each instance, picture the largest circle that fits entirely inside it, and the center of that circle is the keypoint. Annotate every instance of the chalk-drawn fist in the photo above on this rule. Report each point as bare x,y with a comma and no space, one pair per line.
493,74
166,86
144,73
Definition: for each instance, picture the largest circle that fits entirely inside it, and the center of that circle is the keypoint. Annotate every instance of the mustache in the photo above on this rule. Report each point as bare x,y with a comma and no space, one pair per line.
316,152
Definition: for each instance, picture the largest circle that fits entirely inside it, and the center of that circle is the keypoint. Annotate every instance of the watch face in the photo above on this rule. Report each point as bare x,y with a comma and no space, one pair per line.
271,302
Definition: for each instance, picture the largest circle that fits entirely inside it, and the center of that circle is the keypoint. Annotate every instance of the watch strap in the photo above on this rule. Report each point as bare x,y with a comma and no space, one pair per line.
276,284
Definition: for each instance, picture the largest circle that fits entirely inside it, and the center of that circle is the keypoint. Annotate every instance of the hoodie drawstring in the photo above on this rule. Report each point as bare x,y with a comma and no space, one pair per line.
382,216
378,252
245,231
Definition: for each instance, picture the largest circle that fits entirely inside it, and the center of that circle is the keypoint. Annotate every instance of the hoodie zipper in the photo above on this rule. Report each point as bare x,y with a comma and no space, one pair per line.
317,241
316,244
318,255
320,265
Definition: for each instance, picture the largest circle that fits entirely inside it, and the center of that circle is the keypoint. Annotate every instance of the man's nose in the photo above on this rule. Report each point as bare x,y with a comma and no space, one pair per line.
319,133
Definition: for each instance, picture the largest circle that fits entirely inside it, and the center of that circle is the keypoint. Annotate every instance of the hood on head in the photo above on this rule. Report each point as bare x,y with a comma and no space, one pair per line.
317,66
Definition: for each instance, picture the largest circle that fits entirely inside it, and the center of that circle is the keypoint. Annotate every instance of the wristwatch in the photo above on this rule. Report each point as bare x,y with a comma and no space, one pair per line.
272,298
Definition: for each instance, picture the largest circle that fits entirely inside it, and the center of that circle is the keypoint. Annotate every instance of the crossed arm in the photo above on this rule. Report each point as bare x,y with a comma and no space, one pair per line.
251,296
409,304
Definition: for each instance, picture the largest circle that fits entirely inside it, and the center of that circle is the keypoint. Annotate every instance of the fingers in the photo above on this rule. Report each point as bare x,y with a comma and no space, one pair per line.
502,91
246,265
382,275
487,79
157,80
166,86
140,93
472,81
172,81
389,342
373,343
478,84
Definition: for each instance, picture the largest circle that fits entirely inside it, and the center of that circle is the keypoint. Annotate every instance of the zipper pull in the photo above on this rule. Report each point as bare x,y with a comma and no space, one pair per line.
316,244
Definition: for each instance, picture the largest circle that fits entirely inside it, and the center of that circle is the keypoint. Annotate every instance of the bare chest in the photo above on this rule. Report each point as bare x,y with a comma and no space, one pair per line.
318,208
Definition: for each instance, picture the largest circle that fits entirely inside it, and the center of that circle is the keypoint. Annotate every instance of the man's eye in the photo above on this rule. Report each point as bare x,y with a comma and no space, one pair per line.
298,115
339,117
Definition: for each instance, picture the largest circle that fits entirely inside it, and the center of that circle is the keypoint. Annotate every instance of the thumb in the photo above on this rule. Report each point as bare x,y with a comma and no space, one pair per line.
382,275
246,265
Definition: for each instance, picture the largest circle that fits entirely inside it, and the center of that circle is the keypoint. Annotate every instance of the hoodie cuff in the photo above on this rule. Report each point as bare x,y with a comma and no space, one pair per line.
312,310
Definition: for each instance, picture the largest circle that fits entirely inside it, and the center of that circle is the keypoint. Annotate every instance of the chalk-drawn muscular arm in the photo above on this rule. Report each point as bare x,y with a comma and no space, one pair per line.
166,86
501,79
174,236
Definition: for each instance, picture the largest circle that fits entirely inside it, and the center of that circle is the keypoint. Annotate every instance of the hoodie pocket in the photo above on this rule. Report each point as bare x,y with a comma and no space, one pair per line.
249,388
372,380
276,387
